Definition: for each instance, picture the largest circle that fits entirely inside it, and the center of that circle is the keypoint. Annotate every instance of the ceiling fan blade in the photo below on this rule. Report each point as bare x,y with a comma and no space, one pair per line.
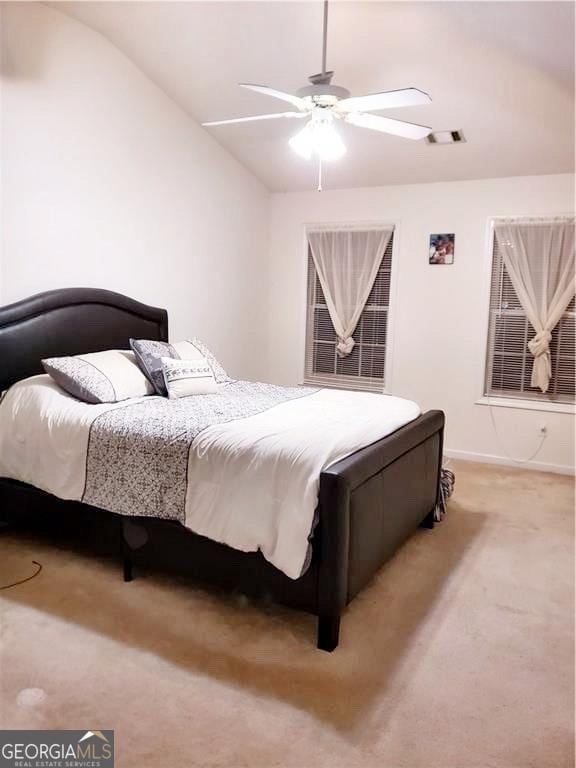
296,101
255,117
387,125
407,97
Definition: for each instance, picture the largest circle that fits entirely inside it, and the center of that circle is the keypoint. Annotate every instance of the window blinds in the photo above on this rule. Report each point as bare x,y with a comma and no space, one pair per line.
508,361
364,367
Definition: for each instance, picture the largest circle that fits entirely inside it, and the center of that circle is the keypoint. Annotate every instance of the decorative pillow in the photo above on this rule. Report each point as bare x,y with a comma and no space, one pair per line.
149,356
99,377
188,377
192,349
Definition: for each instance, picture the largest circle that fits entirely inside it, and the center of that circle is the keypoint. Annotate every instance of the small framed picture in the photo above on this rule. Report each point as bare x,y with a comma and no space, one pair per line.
441,249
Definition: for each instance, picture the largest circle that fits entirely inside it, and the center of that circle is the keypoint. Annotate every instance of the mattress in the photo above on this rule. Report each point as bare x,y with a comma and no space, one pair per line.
241,467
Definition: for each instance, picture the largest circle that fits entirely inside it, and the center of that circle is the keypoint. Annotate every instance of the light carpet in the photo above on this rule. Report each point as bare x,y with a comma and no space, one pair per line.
460,653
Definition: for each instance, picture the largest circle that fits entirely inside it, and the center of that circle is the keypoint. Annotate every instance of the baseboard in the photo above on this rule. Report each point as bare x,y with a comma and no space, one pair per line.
487,458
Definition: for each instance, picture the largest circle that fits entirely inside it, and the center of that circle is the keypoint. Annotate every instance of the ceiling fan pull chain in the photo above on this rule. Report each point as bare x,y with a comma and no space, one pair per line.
319,174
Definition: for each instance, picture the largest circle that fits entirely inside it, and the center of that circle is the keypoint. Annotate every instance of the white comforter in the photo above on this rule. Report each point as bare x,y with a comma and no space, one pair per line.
252,482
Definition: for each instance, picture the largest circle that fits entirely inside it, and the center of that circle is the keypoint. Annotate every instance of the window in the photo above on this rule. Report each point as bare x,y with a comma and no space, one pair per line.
508,361
364,367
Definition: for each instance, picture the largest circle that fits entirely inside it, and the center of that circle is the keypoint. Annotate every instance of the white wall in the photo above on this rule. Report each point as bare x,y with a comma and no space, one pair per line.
106,182
439,316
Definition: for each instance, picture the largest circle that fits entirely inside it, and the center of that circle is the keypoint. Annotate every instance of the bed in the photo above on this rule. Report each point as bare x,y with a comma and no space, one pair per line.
369,502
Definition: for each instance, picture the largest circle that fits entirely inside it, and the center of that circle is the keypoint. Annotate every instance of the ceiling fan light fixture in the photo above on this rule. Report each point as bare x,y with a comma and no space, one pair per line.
325,103
319,137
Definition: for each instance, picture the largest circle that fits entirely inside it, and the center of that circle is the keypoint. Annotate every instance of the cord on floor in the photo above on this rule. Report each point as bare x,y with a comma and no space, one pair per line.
28,578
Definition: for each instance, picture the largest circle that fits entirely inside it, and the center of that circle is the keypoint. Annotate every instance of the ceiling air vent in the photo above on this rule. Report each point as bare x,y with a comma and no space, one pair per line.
445,137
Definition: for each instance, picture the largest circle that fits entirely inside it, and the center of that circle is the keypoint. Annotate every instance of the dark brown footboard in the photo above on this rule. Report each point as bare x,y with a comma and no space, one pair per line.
370,503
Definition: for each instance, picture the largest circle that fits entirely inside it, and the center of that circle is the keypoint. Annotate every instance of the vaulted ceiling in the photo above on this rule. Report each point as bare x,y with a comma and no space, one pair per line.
502,72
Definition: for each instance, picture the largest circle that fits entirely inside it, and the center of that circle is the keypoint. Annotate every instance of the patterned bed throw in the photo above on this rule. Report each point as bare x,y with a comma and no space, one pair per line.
137,461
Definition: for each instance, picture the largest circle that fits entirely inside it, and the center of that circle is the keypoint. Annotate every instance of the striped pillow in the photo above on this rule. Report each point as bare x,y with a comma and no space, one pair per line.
99,377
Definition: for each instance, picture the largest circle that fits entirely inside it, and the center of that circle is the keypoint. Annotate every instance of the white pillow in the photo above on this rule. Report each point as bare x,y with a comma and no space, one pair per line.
99,377
194,348
188,377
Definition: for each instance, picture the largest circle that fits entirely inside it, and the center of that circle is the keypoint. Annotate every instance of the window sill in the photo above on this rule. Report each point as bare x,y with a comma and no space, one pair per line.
527,405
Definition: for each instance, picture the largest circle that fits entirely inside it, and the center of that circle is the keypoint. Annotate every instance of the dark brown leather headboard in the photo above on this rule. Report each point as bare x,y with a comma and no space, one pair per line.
71,321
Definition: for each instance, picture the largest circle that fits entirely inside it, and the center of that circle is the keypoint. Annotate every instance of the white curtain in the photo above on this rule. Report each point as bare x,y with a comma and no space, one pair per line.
539,258
347,262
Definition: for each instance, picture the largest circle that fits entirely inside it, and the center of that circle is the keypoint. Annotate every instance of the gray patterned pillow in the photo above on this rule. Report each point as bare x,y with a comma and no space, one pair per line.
149,356
194,348
99,377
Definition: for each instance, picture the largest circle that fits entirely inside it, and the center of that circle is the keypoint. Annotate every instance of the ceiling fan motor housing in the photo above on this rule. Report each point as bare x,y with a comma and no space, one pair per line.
323,94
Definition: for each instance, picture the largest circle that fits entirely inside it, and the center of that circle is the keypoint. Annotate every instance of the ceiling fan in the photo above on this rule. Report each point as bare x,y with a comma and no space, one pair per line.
324,104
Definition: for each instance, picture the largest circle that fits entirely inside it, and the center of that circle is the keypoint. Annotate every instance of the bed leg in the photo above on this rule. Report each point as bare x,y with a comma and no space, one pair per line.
428,521
127,560
134,537
127,564
328,632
